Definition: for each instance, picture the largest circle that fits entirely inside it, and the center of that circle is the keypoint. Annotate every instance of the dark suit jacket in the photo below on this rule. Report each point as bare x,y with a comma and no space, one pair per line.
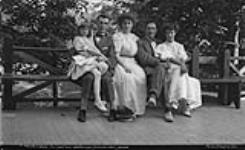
145,55
106,46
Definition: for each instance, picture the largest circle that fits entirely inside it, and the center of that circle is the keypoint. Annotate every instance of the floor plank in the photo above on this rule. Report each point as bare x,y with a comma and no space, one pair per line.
211,123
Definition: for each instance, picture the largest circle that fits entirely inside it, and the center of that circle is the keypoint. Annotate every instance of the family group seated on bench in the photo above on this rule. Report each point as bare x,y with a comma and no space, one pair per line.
126,73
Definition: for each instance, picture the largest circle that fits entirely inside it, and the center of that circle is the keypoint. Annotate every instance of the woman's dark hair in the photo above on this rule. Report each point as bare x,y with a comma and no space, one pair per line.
170,26
124,17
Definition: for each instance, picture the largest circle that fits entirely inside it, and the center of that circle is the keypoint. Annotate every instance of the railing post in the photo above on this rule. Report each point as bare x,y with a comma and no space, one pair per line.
195,62
226,67
226,74
8,101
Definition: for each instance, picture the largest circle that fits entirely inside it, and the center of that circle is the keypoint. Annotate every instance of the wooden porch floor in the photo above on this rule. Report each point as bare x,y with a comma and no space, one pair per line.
211,124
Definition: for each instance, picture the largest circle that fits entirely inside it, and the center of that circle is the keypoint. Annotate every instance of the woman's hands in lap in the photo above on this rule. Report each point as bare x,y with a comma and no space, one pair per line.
127,69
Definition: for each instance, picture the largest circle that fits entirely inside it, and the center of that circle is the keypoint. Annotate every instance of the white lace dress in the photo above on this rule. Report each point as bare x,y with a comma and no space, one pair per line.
84,62
130,88
180,86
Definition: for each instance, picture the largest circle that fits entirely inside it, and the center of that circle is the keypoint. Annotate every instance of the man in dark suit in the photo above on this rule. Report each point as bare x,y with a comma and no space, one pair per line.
154,68
104,43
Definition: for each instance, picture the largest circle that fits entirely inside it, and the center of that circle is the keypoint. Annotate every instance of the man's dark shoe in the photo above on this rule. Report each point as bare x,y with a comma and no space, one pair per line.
81,116
168,116
112,116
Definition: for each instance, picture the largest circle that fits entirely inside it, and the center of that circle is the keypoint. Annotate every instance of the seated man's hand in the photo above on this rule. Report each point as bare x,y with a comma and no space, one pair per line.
183,69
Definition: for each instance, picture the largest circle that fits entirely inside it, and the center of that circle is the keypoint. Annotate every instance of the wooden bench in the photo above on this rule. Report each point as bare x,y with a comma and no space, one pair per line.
229,86
56,74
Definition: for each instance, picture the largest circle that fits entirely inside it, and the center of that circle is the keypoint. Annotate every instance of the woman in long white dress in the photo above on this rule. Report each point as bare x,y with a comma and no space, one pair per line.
129,77
183,89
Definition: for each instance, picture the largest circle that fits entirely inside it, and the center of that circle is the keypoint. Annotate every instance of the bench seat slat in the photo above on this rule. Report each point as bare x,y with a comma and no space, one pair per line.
36,77
221,80
45,49
65,78
48,99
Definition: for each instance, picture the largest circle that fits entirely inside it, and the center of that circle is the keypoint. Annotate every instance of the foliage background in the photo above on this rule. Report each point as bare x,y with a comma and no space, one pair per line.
53,22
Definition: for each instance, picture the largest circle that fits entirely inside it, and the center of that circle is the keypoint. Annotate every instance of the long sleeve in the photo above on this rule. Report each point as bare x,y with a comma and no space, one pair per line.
117,43
182,53
144,58
79,44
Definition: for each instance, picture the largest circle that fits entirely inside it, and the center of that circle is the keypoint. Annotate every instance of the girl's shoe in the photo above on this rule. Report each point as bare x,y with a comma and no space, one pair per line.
104,102
100,106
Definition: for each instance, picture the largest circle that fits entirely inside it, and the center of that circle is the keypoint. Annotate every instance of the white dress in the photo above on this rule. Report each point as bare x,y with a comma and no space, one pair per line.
84,62
130,88
180,86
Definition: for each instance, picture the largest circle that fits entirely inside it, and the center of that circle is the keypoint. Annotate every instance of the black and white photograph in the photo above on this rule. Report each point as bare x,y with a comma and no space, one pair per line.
122,74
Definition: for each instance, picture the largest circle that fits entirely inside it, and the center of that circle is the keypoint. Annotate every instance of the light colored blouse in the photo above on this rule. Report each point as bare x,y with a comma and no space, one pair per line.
173,50
85,44
125,44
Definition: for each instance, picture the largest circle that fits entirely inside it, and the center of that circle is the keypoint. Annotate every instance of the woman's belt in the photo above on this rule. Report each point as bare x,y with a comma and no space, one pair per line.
126,56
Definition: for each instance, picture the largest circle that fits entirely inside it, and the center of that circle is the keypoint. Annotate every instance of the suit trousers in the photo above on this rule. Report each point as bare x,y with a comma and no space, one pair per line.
157,85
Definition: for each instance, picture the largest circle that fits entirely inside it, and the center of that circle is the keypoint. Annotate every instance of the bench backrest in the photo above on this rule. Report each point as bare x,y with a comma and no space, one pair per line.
220,62
26,53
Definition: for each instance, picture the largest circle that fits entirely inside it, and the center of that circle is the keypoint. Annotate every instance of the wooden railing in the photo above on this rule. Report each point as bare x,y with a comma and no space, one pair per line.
56,74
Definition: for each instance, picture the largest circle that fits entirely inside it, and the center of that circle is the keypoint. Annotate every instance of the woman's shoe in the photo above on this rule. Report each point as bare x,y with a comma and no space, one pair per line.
81,116
187,112
100,106
184,108
127,119
168,117
152,102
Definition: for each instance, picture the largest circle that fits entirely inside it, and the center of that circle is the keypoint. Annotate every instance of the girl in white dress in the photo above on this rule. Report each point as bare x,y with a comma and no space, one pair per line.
183,90
88,59
129,78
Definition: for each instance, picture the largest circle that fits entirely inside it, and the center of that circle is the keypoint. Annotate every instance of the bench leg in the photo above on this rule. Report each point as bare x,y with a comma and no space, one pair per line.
9,102
237,95
223,94
220,94
234,94
231,94
226,95
55,94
